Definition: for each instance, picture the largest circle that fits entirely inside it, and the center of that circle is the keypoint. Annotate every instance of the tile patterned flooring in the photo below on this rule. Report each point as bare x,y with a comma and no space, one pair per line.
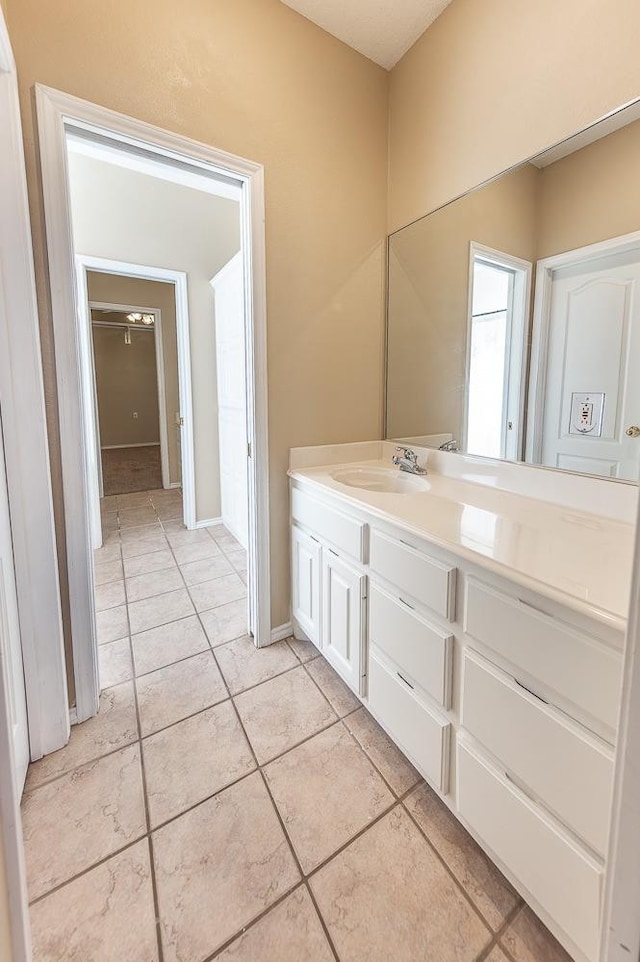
240,805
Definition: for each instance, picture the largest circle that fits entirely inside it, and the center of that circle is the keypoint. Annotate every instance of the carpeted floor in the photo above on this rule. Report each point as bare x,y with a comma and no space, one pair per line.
131,469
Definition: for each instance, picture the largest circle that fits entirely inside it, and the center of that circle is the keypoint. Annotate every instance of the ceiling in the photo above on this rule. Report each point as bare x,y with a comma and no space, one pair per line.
382,30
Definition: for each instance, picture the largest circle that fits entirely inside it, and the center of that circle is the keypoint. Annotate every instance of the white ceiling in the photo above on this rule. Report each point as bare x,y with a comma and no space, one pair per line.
382,30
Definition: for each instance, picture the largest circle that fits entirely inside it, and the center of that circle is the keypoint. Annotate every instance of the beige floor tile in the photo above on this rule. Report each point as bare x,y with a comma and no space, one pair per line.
155,561
109,595
152,612
105,915
388,896
282,712
173,524
107,571
183,536
135,517
177,691
385,755
340,697
142,532
153,583
131,499
159,647
290,932
218,867
222,535
146,545
304,650
219,591
113,727
237,557
226,622
194,759
528,940
114,662
497,955
196,551
170,512
107,554
243,665
326,791
195,572
479,877
112,624
73,822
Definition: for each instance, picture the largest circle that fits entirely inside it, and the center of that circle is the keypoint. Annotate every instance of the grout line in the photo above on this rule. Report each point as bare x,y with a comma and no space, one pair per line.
145,797
495,942
245,928
449,871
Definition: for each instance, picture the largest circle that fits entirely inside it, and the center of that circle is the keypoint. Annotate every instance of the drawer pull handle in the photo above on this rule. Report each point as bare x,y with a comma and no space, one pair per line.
335,553
408,683
539,611
314,539
406,603
528,690
406,544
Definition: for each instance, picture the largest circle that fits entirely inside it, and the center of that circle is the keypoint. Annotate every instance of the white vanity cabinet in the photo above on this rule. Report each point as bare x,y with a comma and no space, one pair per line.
504,699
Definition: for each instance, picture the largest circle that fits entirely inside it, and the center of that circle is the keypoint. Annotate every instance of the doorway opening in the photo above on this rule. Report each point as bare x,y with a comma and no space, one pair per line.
186,546
499,292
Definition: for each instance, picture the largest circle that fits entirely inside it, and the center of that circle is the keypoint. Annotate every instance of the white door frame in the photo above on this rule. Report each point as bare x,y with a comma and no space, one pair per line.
541,325
105,265
521,305
163,433
26,440
58,112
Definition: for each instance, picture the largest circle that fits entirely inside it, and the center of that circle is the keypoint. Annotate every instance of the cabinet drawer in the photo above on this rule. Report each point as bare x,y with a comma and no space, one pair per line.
561,876
414,573
330,525
418,730
564,766
578,668
421,651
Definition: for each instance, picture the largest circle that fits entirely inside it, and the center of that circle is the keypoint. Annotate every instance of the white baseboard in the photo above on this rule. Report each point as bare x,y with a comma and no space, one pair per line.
282,631
208,523
73,716
173,484
139,444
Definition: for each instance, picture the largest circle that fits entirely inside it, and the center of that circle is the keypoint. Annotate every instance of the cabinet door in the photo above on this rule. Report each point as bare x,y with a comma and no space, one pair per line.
306,575
344,592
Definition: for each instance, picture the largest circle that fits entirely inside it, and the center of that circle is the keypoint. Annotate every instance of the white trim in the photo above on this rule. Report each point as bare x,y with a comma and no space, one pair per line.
179,280
57,113
621,911
282,631
208,523
162,397
541,321
26,440
137,444
116,156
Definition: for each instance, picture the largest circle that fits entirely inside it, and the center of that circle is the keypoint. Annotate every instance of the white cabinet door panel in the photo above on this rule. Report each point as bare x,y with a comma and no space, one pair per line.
343,618
306,562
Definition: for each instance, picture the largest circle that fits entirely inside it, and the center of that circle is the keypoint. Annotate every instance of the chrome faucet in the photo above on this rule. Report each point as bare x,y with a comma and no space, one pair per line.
408,462
451,445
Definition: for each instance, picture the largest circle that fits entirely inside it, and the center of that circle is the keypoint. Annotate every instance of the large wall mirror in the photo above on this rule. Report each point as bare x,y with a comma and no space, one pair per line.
514,312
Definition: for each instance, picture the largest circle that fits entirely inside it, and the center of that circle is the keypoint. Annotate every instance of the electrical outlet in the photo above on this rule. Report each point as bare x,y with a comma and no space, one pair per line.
135,415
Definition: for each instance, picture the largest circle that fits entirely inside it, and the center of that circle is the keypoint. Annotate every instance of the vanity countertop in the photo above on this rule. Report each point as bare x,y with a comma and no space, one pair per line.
579,559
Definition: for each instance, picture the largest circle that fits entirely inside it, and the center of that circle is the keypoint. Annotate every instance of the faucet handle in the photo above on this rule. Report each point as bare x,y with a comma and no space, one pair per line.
409,454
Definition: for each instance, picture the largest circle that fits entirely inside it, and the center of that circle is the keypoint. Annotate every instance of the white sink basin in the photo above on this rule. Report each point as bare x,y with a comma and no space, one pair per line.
382,480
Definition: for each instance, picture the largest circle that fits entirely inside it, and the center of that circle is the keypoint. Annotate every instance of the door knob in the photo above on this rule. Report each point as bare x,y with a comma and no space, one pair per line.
633,431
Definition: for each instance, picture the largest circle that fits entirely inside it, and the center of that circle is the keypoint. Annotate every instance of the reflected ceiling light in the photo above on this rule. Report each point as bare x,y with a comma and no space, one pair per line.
136,316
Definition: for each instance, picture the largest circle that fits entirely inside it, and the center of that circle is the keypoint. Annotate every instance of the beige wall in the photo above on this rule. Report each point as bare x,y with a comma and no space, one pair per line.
428,299
591,195
493,82
115,289
255,78
126,382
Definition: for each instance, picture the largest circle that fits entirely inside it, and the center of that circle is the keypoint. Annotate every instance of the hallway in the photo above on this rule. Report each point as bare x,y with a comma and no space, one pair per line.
225,789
